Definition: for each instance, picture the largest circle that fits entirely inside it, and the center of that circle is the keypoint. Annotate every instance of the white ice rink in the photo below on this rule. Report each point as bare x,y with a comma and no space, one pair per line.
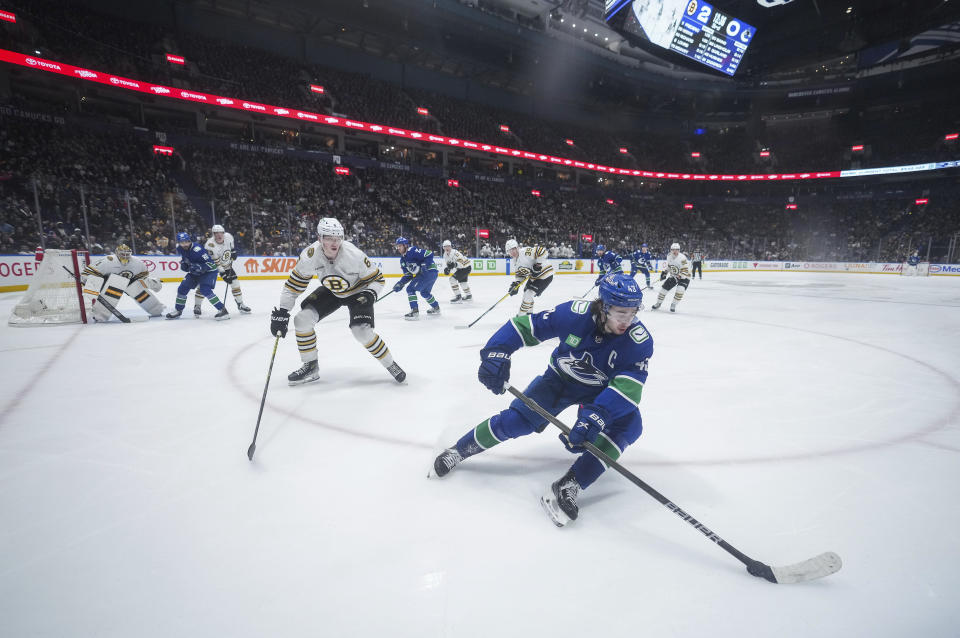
791,413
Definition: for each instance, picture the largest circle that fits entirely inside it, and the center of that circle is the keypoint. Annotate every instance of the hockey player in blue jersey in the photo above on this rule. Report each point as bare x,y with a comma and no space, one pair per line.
600,363
640,262
420,272
201,273
609,262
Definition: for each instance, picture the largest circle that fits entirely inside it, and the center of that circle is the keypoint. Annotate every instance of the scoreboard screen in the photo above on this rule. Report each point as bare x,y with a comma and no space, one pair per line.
692,28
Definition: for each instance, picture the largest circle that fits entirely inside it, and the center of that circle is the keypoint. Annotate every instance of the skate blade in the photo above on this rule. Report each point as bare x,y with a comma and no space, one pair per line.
302,381
559,518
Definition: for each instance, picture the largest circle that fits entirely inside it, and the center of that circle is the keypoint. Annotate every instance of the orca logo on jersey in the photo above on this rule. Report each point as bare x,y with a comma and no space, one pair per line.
335,283
581,369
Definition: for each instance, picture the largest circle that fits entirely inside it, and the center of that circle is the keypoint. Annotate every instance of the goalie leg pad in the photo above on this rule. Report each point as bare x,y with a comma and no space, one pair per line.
114,288
92,288
147,300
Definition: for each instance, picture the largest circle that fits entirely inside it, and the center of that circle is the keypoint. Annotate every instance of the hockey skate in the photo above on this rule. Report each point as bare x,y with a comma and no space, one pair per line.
413,315
468,297
673,307
397,372
175,314
196,311
560,503
456,299
434,312
306,373
223,314
244,308
655,306
448,459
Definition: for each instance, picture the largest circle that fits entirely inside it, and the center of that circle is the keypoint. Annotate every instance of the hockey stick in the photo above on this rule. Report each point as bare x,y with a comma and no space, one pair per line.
584,295
106,304
253,444
470,325
817,567
384,297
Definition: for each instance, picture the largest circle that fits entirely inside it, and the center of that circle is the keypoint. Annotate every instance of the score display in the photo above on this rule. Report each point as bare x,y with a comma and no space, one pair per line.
692,28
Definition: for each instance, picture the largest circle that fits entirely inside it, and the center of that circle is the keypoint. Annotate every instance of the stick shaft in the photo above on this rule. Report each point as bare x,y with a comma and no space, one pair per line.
263,399
663,500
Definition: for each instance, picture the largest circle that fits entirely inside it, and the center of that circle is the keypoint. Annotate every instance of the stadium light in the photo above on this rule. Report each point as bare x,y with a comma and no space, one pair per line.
453,183
688,207
695,154
623,149
764,153
610,201
951,136
535,193
569,142
920,202
856,147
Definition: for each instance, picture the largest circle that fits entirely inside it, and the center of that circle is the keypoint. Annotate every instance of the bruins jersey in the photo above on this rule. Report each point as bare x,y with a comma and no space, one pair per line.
532,262
678,266
348,274
455,260
222,254
111,265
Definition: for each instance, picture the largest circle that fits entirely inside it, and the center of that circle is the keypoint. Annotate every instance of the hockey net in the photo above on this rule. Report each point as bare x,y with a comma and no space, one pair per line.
920,270
55,295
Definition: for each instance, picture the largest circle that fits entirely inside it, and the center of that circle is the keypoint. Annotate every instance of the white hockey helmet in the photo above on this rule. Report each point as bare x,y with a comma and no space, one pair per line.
674,246
446,242
330,226
217,228
510,245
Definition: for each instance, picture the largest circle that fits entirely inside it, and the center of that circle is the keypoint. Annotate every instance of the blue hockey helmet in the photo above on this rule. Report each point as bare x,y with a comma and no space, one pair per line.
600,248
620,290
402,240
183,236
643,245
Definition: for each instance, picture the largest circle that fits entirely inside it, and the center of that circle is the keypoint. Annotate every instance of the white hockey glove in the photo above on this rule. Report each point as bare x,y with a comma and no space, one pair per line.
153,284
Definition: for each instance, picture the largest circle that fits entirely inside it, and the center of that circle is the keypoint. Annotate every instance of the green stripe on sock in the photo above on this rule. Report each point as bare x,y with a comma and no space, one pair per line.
525,328
608,447
484,435
628,387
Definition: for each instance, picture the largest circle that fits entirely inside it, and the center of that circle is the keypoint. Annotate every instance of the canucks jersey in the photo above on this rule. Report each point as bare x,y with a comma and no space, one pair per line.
678,266
607,370
609,262
640,259
223,253
455,260
531,262
111,265
415,261
913,260
349,273
196,260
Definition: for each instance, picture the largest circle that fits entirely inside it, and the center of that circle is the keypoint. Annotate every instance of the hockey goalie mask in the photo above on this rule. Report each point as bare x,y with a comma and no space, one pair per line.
124,253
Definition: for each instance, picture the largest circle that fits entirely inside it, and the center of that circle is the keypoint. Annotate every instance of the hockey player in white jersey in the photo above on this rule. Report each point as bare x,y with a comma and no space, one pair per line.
116,274
223,252
676,274
530,265
347,278
458,267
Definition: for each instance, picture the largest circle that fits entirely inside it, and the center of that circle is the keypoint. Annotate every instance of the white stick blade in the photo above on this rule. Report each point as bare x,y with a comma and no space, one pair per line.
811,569
460,327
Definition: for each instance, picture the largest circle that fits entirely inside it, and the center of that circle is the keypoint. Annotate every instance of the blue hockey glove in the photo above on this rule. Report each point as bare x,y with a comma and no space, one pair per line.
184,266
599,279
494,370
591,420
397,287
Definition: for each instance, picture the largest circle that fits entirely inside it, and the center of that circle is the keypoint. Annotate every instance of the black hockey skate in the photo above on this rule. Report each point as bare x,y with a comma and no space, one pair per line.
196,311
456,299
223,314
244,308
413,315
673,307
306,373
467,297
448,459
560,503
397,372
174,315
656,305
434,312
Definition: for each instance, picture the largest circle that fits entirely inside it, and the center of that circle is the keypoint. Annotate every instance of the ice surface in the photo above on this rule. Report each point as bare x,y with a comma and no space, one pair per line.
791,413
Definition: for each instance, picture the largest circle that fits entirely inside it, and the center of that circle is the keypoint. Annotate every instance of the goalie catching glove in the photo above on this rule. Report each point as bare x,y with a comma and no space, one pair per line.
279,321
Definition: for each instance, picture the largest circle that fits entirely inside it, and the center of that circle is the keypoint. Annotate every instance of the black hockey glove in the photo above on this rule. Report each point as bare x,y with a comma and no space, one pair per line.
494,370
278,322
446,270
229,275
515,287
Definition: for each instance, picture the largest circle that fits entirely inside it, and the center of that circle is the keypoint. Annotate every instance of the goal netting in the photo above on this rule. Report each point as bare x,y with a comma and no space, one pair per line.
920,270
55,295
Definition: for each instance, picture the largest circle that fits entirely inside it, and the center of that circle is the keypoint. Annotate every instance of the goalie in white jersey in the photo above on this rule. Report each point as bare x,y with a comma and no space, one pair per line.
530,265
458,267
119,273
223,252
347,278
676,274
